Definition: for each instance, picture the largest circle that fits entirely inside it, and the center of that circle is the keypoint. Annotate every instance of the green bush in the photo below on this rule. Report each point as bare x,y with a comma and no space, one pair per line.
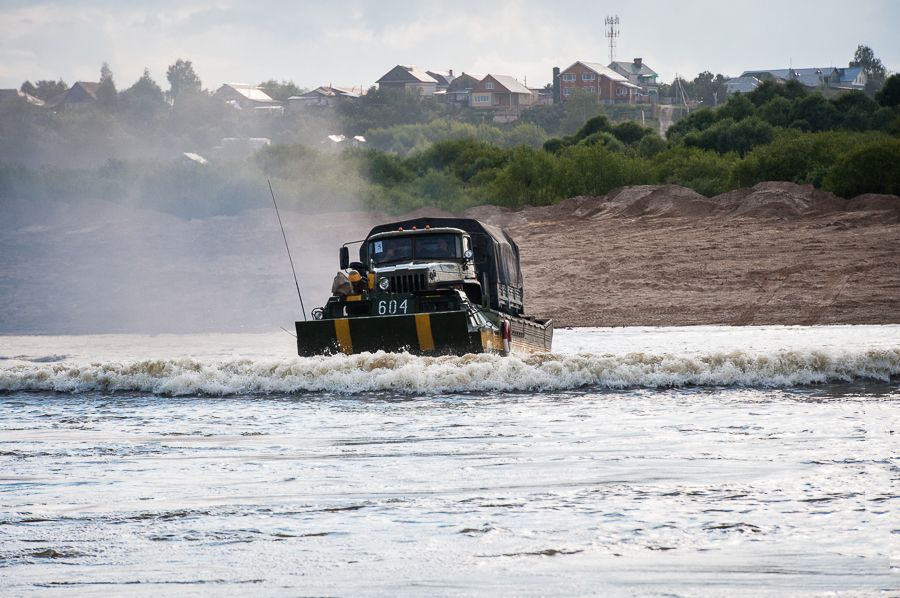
528,177
629,132
776,112
608,140
706,172
593,170
889,94
872,168
651,145
797,157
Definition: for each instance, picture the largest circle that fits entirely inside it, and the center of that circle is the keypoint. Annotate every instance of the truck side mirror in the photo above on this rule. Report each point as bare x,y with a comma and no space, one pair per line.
345,257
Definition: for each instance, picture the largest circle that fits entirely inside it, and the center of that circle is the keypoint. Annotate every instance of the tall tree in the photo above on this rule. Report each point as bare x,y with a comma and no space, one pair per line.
872,66
889,94
280,91
29,88
182,78
106,91
144,99
44,89
709,88
146,86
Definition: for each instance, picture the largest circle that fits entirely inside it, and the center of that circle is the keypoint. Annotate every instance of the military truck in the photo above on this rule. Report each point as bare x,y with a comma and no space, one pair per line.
427,286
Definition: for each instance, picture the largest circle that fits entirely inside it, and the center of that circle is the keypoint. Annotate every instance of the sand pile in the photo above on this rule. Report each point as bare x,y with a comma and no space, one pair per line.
495,215
874,202
779,200
657,200
769,200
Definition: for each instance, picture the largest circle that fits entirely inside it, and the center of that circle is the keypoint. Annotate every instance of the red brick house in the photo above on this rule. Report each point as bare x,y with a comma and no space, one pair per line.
502,94
593,77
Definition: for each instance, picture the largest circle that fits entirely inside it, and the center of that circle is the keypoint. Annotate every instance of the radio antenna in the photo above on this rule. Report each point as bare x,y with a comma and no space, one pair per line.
286,246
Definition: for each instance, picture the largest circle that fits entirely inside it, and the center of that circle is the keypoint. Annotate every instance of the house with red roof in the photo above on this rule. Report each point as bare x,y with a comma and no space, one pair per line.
594,78
503,95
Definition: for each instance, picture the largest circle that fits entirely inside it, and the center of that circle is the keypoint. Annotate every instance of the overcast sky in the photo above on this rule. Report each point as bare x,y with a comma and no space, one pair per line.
355,42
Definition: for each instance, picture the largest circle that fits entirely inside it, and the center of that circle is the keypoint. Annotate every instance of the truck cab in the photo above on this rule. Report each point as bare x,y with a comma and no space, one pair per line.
403,271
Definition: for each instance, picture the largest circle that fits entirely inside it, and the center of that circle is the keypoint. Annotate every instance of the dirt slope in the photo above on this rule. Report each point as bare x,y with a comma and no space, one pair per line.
777,253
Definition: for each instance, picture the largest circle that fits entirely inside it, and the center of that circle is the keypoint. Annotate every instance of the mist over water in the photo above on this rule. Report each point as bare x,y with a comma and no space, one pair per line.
99,266
106,226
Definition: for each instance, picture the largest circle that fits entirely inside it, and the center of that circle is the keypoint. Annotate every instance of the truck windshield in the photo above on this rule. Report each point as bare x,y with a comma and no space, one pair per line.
437,246
420,247
392,249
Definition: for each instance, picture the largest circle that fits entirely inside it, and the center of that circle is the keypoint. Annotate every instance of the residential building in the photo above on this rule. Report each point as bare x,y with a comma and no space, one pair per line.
542,96
741,85
81,94
245,97
443,78
595,78
408,78
17,95
461,87
640,74
324,96
502,94
852,77
816,77
338,141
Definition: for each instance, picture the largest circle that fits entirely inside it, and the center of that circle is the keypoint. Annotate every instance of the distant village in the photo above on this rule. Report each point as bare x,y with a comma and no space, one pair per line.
498,98
503,97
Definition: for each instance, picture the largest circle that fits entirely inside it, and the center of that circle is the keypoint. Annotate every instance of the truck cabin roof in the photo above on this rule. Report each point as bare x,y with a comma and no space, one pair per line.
419,231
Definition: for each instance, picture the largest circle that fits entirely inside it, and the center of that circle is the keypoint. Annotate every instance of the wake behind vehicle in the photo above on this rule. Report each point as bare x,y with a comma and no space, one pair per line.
427,286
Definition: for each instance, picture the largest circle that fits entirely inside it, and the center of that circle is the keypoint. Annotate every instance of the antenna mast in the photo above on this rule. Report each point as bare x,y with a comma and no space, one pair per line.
612,32
286,246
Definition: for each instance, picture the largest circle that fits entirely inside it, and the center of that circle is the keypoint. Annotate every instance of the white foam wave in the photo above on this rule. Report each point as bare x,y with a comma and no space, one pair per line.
404,373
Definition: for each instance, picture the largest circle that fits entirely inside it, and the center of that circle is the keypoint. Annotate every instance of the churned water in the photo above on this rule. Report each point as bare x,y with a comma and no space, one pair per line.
637,461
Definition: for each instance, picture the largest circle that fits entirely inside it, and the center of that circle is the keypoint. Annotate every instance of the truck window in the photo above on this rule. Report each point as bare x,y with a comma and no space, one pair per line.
437,246
394,249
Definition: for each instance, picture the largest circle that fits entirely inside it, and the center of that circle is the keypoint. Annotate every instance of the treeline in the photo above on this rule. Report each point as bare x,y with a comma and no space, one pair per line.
460,173
745,122
848,144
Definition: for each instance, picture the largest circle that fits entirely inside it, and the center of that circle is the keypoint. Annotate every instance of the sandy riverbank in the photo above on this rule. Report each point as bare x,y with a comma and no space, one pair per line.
775,254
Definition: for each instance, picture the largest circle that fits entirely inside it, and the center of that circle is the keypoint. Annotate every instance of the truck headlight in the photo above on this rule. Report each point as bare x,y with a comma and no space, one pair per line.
384,284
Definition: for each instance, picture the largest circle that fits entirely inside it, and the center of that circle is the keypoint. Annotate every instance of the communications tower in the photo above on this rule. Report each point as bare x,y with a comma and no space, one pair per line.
612,32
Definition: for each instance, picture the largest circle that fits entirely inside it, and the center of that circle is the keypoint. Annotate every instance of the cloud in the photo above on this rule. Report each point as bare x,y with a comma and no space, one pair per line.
358,41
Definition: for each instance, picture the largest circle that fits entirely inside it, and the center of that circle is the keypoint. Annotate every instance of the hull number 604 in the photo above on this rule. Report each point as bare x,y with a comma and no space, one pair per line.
392,307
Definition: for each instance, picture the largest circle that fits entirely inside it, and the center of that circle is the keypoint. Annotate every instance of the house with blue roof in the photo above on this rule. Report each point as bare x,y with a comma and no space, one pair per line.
815,77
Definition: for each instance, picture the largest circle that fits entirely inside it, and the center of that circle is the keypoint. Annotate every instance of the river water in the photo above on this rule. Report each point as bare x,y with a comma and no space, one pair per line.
637,461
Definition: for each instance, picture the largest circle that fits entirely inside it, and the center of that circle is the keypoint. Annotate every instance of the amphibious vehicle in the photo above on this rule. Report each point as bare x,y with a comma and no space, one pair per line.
427,286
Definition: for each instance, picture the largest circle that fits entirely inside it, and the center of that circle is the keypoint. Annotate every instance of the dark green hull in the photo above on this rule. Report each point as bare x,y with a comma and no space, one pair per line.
439,333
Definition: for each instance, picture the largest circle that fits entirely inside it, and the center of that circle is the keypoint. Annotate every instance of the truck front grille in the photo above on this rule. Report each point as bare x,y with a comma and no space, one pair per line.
408,283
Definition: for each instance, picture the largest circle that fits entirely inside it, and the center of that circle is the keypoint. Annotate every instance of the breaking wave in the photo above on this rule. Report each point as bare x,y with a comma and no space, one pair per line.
404,373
